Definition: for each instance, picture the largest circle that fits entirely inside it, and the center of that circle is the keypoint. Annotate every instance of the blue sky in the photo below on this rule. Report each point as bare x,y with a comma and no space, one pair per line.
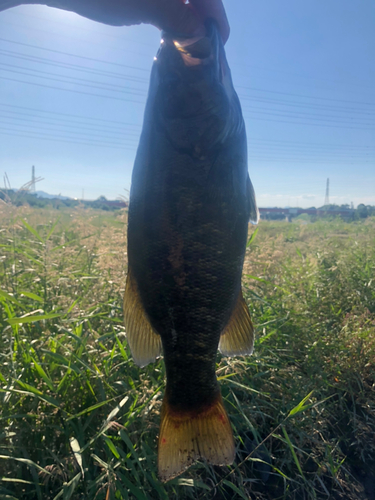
72,95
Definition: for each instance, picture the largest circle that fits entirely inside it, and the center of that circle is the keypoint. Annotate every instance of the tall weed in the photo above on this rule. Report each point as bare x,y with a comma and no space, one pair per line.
79,420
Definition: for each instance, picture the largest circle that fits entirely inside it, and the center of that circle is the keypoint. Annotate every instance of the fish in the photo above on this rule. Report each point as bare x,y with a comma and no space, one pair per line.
191,200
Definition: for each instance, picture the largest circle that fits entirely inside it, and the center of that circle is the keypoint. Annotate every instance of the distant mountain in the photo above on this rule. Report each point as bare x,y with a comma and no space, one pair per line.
43,194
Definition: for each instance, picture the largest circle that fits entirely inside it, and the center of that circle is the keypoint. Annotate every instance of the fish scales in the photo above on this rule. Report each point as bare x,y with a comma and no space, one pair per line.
190,203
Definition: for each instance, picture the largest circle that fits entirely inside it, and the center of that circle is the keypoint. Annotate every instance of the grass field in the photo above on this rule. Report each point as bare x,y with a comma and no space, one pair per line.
78,420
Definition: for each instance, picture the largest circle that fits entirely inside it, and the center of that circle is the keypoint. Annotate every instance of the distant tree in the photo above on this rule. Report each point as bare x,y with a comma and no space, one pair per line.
362,211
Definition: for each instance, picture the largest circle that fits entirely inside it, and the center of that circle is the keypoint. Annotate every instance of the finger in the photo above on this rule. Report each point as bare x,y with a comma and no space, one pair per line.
212,9
112,12
7,4
175,15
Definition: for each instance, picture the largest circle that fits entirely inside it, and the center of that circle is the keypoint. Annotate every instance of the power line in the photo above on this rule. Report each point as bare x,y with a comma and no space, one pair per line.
108,35
292,114
76,81
75,67
119,144
243,97
48,137
278,146
298,104
74,55
314,144
76,135
79,117
147,70
322,122
305,156
138,80
250,118
302,161
60,121
307,116
305,96
69,90
253,149
310,153
72,37
70,26
91,133
114,123
7,131
66,114
255,67
279,149
274,113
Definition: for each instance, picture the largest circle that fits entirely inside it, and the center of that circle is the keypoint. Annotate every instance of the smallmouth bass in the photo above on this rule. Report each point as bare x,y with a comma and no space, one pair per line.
190,203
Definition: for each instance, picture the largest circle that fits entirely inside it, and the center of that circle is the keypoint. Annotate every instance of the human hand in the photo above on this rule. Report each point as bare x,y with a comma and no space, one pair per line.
173,15
189,18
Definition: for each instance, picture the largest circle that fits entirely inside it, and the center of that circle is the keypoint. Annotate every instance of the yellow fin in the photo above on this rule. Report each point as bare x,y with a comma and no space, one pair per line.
186,437
143,340
237,339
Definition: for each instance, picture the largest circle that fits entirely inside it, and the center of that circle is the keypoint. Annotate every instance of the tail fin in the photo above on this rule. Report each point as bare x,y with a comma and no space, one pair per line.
186,437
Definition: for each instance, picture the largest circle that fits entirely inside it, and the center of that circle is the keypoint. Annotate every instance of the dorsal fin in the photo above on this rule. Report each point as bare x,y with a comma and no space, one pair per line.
237,338
143,340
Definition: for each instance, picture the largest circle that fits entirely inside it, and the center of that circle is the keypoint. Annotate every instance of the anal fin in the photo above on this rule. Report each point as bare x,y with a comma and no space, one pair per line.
237,338
143,340
187,436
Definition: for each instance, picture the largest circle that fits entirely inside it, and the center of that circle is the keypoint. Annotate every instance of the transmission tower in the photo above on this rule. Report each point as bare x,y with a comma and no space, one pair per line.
32,185
326,199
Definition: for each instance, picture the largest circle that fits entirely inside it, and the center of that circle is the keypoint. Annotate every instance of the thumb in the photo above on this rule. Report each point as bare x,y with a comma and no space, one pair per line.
176,15
214,9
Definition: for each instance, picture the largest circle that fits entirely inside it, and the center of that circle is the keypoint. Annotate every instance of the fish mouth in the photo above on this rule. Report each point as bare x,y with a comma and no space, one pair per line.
194,51
202,50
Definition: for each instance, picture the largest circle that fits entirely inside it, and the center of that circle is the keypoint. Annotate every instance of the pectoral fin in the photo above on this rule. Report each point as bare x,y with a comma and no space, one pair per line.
237,339
252,204
144,342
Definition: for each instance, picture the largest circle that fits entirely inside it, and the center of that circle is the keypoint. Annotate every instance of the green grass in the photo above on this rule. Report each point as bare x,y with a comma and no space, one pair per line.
78,420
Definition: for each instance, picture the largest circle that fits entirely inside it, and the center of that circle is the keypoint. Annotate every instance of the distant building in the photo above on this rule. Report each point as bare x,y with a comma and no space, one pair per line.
289,213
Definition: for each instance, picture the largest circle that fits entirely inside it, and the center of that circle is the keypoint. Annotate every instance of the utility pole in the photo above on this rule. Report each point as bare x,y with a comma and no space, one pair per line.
326,199
32,186
6,181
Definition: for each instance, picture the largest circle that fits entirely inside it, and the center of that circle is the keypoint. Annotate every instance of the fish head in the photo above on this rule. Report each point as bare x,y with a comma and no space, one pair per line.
194,99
